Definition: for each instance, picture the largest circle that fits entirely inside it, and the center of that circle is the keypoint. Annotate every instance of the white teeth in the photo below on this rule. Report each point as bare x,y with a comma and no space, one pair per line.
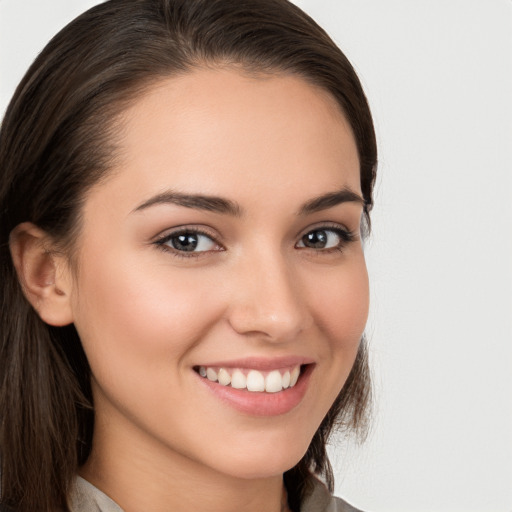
224,377
286,380
238,380
294,376
211,374
255,381
273,382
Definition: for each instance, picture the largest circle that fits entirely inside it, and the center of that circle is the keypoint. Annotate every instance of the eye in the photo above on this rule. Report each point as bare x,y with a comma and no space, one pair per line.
325,238
188,241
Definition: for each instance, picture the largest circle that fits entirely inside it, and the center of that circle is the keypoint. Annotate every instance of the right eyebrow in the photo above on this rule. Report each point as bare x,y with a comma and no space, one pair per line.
195,201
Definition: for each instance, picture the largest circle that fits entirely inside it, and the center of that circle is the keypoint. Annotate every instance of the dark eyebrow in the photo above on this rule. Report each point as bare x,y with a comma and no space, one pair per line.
197,201
228,207
329,200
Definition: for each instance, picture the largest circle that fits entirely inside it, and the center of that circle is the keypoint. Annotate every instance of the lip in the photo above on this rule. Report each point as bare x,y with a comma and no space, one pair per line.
261,364
261,403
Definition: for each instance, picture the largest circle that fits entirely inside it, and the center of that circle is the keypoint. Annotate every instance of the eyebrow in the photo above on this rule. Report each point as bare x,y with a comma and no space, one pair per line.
227,207
329,200
195,201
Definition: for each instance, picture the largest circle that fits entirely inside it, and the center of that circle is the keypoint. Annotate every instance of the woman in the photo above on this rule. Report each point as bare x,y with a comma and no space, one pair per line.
185,187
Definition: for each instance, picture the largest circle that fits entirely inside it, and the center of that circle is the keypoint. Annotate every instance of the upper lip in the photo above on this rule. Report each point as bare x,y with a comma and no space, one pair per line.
262,364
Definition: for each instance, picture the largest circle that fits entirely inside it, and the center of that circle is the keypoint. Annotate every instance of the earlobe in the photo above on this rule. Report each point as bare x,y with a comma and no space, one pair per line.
43,273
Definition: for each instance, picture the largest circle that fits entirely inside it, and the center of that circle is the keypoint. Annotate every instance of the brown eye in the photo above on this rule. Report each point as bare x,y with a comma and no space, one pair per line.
325,239
316,239
189,241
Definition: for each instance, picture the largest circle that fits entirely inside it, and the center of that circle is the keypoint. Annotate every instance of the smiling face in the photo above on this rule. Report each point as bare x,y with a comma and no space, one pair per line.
224,247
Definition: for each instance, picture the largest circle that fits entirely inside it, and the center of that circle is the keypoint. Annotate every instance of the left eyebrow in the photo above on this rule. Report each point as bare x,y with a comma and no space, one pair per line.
330,200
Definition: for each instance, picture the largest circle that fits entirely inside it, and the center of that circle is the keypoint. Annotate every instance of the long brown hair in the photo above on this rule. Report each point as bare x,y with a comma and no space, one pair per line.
58,139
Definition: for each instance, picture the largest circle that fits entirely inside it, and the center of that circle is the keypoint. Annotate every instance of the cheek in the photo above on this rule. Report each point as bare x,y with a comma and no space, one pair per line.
339,304
341,307
127,312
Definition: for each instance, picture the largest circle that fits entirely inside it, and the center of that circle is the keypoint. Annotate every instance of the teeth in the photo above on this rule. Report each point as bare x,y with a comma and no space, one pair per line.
211,374
273,382
238,380
254,380
224,377
294,376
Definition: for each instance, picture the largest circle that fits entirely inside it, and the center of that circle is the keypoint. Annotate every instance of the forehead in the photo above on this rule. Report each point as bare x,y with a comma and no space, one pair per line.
223,132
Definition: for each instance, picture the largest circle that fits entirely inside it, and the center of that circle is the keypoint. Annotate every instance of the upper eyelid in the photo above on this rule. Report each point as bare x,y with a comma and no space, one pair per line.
324,225
201,230
161,241
346,235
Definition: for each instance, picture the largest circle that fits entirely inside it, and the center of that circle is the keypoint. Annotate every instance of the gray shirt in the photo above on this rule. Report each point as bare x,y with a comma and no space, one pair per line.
87,498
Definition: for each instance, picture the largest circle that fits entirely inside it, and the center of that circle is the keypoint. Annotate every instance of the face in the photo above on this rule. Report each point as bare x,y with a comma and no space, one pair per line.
221,258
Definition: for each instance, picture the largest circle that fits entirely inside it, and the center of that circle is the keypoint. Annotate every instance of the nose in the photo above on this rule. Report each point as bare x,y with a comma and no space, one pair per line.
267,300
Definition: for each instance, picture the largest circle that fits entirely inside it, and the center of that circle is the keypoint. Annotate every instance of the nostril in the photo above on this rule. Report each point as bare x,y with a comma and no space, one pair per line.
273,324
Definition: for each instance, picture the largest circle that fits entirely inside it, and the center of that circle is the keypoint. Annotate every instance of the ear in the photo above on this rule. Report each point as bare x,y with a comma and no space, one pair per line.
44,274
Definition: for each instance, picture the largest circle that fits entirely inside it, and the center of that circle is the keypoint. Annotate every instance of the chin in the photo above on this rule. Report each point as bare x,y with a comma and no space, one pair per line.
259,462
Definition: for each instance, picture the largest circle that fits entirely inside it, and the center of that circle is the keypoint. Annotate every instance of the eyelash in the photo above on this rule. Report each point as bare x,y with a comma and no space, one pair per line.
344,235
162,242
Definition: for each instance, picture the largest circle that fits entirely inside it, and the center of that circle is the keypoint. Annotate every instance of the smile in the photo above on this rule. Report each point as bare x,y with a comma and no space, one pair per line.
252,380
258,387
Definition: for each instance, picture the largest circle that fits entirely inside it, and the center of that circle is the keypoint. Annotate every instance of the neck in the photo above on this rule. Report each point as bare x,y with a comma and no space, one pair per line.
139,474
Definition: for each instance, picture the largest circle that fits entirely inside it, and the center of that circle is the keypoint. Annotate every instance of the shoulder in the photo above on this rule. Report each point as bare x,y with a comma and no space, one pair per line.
321,500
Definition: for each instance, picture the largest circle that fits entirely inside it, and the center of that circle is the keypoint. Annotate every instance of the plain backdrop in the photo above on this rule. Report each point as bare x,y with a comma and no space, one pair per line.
438,75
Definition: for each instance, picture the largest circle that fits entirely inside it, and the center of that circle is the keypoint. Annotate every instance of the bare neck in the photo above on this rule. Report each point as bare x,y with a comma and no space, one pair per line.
138,476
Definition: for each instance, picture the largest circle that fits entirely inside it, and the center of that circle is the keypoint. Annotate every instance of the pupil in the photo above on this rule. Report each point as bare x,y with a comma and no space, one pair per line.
315,239
187,242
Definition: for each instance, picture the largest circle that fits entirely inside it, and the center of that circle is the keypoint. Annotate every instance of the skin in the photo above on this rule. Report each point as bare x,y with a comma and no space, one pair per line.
147,316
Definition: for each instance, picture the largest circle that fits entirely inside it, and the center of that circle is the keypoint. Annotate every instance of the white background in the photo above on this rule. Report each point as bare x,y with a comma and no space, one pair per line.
438,74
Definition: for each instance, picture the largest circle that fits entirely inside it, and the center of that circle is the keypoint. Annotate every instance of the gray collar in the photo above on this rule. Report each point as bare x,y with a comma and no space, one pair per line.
85,497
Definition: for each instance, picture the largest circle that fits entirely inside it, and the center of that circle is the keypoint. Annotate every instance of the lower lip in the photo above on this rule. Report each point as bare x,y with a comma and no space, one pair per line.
262,404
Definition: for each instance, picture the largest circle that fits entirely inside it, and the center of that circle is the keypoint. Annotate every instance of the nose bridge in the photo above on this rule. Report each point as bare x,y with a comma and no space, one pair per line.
268,299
